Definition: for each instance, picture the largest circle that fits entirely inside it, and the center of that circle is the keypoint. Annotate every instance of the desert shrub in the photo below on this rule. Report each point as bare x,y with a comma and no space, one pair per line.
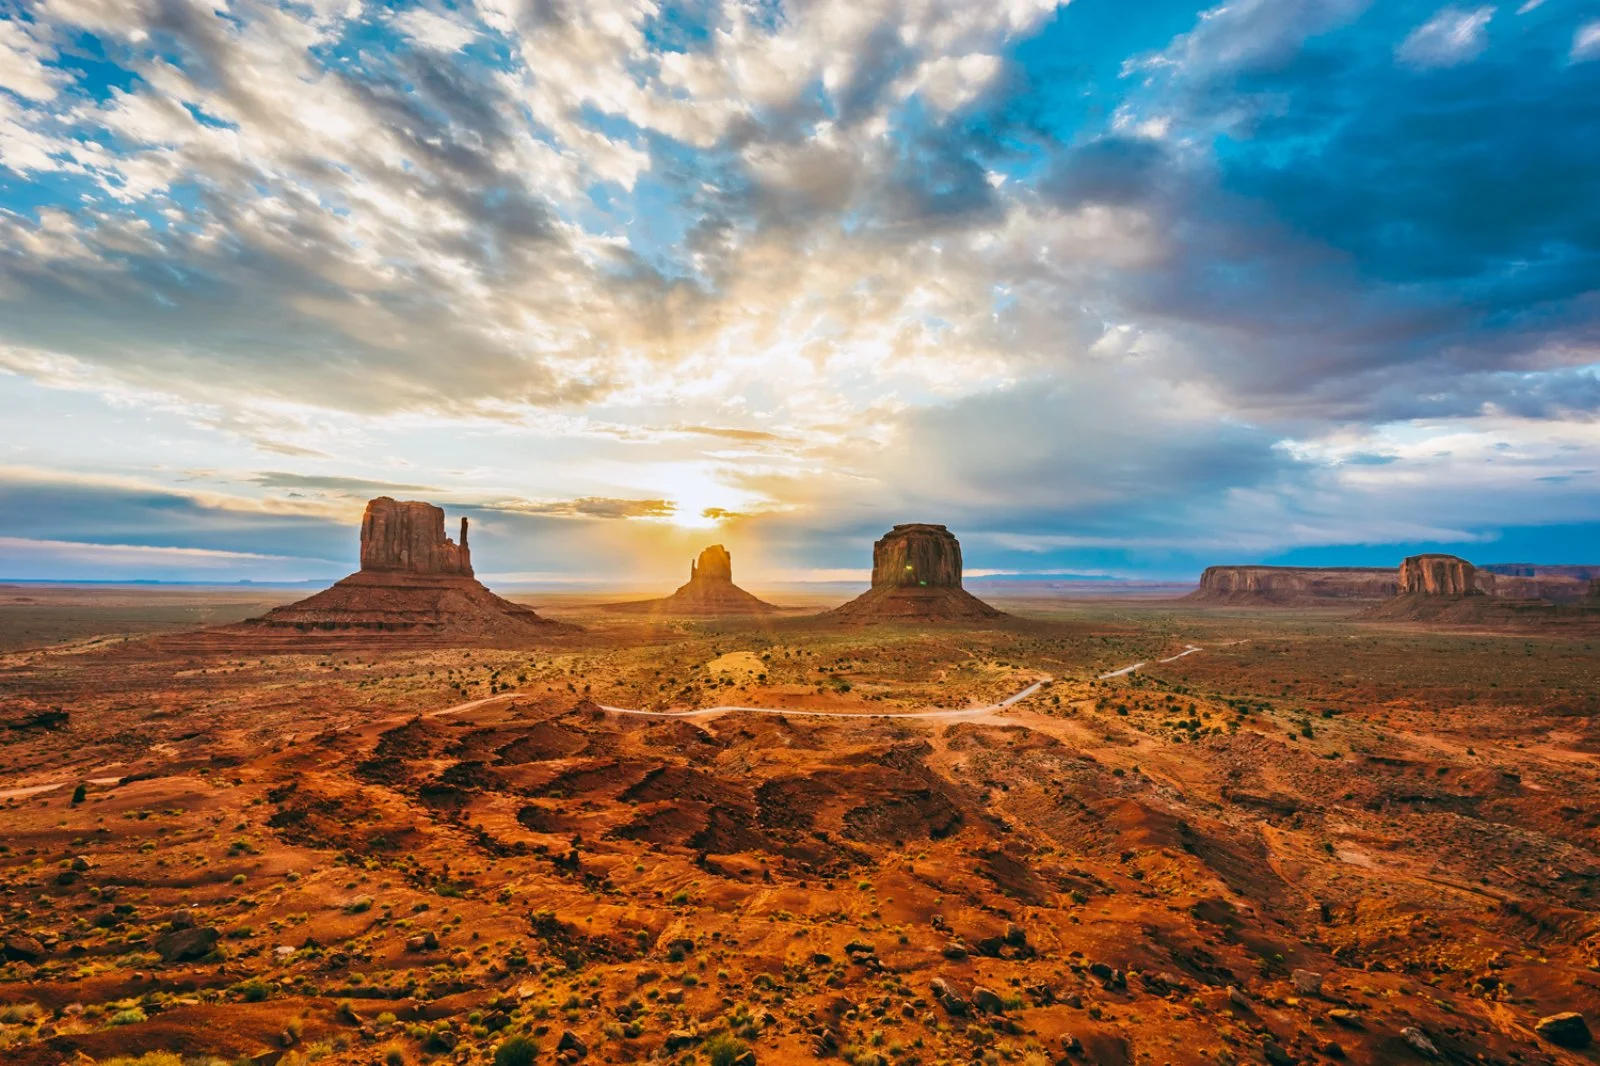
128,1016
518,1051
19,1013
149,1058
724,1049
255,990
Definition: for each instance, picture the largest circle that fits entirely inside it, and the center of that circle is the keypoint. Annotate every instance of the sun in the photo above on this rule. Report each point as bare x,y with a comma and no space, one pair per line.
699,500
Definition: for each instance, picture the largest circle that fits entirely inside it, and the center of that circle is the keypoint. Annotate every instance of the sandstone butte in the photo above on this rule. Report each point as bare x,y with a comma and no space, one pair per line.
1437,575
916,577
710,591
413,579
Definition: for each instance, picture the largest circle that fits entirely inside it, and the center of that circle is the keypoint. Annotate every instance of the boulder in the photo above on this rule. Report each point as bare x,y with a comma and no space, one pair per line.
20,947
1437,575
186,945
409,536
1567,1029
1307,982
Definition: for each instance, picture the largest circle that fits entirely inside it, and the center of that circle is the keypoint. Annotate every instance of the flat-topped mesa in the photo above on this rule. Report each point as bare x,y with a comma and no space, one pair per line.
916,577
1294,584
917,555
714,564
408,536
1438,575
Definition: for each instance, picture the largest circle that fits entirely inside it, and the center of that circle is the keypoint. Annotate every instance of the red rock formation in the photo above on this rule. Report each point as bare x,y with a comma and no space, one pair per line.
714,564
1286,585
916,577
409,536
413,579
917,555
1437,575
710,591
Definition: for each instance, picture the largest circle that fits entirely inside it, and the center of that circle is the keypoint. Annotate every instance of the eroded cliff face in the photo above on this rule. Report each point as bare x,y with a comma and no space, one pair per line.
1438,575
408,536
916,577
714,564
917,555
1294,584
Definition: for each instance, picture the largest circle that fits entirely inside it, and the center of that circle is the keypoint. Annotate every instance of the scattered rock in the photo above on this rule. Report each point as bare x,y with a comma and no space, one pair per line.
1274,1053
1307,982
20,947
1419,1040
186,945
1348,1018
987,1000
1567,1029
569,1042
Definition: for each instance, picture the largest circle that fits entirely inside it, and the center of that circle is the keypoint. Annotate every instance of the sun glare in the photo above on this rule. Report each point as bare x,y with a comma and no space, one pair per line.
698,499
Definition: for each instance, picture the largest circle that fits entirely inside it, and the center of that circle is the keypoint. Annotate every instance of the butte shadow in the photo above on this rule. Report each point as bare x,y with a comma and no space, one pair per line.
916,577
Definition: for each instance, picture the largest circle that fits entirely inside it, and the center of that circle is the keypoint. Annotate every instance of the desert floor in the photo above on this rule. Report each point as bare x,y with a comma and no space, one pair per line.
1313,839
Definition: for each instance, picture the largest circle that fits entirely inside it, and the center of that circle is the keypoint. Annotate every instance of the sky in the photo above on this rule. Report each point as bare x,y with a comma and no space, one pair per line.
1110,289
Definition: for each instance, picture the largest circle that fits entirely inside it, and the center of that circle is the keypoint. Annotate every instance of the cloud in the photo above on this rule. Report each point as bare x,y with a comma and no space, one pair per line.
277,479
432,30
800,269
590,507
1586,42
1454,35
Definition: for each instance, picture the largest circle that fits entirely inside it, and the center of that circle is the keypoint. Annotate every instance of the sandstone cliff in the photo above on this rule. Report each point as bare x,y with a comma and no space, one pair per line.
709,592
413,580
916,577
1294,585
1437,575
409,536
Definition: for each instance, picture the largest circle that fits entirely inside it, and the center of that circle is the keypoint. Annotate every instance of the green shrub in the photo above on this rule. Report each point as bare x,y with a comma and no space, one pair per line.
518,1051
724,1049
130,1016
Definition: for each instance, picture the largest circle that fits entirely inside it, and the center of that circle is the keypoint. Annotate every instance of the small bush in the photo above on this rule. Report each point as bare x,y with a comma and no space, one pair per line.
19,1013
724,1049
518,1051
130,1016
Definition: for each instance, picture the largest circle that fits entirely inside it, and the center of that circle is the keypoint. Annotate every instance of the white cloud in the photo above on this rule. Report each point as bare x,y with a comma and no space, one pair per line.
433,30
1453,36
1586,42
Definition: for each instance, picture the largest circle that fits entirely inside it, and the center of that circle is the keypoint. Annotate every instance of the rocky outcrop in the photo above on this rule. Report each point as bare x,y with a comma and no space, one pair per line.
1437,575
917,555
710,592
916,577
1594,589
413,580
714,564
1294,585
408,536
